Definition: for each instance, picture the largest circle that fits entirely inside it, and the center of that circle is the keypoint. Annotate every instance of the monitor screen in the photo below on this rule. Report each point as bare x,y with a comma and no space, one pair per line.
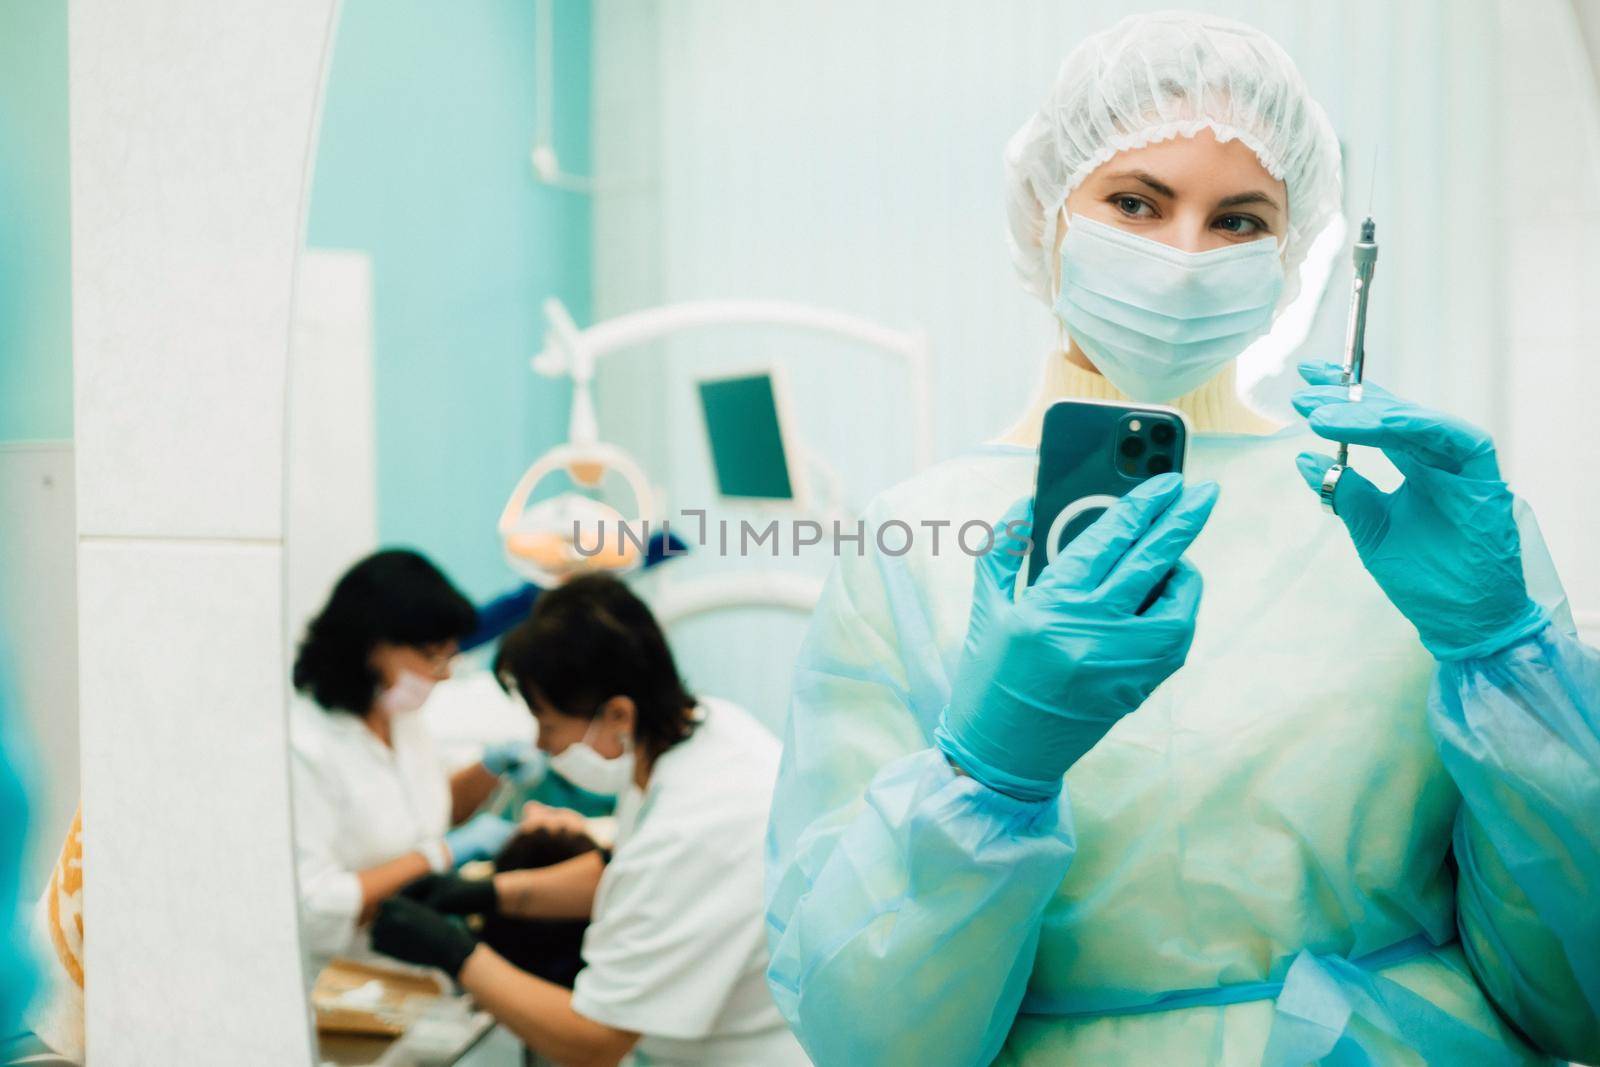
746,438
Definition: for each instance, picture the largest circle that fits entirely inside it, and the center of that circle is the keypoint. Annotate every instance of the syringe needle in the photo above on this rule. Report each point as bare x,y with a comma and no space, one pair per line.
1364,257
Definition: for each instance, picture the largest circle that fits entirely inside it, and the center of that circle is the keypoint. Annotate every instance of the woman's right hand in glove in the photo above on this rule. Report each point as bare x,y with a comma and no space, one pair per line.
1043,676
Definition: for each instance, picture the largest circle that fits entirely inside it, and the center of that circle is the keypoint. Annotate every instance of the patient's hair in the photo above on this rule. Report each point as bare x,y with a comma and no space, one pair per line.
392,597
590,640
548,948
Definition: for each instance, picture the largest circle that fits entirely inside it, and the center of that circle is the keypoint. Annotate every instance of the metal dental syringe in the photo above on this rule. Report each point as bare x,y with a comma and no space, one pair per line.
1365,257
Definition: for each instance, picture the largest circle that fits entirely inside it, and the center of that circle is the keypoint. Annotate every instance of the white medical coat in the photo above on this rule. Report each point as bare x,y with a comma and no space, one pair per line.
676,950
358,803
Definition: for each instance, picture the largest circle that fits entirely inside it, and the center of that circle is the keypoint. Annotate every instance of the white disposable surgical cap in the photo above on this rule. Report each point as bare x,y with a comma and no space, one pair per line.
1153,77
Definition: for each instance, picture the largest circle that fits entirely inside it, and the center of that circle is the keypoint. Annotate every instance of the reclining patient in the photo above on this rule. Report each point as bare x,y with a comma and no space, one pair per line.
548,948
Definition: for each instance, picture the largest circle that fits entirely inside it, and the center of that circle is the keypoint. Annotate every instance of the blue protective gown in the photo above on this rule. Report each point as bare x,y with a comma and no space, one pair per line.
1311,844
18,974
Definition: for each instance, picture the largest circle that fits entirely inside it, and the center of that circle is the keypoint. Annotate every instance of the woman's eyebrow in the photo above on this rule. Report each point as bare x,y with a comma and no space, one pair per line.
1255,197
1147,178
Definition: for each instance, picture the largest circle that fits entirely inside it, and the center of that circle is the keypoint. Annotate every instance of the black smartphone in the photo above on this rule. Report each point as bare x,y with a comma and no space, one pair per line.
1091,452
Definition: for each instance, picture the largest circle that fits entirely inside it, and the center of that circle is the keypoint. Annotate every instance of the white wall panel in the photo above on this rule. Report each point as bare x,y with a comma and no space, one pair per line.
1550,225
332,516
190,127
191,953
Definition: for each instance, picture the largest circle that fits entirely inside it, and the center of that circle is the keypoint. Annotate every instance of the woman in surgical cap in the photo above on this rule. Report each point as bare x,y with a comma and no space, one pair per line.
1341,807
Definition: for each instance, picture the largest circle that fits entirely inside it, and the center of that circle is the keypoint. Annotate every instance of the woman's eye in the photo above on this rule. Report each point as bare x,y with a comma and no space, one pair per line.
1240,225
1132,206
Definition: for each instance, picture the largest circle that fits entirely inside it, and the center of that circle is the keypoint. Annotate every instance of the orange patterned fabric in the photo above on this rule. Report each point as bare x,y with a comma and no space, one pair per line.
65,897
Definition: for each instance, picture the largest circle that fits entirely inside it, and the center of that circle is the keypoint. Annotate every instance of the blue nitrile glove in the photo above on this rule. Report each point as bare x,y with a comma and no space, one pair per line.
479,838
510,757
1444,546
1044,676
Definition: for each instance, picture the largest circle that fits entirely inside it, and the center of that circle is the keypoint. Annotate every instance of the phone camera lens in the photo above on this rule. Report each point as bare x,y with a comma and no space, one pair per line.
1132,447
1162,433
1159,464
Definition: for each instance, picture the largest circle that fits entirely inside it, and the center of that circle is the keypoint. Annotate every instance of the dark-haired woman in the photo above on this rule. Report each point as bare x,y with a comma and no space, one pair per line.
374,805
675,951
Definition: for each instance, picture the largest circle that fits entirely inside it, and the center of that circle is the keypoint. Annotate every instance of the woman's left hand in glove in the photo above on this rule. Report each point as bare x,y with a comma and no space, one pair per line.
1444,546
417,934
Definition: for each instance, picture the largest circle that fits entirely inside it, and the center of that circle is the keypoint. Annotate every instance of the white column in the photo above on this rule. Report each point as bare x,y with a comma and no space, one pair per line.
1549,353
192,124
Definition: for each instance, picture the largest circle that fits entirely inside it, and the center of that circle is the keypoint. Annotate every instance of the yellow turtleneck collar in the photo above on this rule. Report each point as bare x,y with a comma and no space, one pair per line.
1214,407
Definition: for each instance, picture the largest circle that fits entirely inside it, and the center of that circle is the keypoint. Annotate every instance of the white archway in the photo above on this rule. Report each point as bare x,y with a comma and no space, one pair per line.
192,127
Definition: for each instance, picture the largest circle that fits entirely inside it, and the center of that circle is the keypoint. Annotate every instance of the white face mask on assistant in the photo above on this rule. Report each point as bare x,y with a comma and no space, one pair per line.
1158,321
587,769
407,694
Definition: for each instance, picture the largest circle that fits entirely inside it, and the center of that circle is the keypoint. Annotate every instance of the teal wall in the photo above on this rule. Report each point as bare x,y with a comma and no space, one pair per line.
35,240
427,124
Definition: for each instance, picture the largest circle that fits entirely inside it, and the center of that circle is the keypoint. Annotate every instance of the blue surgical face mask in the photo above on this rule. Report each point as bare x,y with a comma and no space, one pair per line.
1158,321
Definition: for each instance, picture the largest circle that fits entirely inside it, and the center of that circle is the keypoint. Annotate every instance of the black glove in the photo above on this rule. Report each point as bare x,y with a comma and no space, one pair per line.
417,934
454,895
